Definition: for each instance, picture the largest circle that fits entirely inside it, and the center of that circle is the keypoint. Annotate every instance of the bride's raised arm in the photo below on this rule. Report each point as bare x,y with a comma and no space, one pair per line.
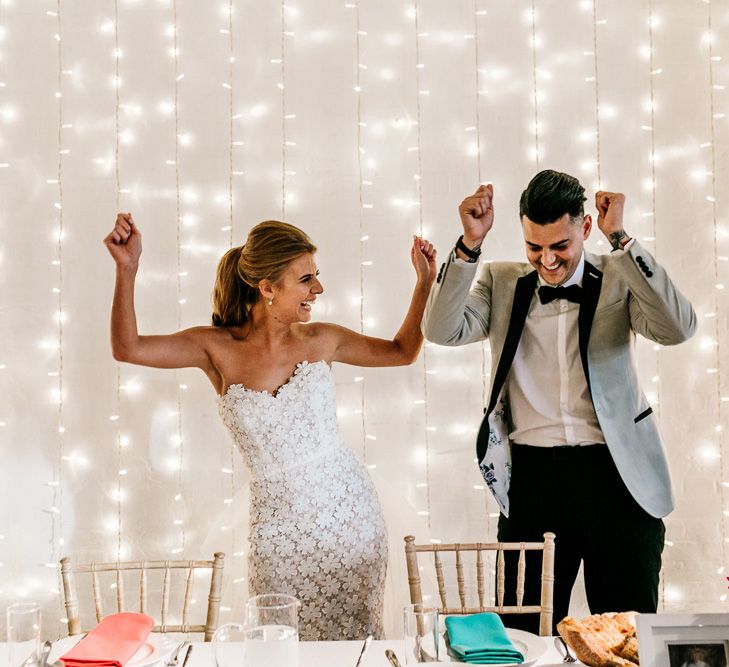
179,350
359,350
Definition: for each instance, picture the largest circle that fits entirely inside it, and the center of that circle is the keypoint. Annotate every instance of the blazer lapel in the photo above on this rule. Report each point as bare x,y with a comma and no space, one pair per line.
523,293
591,283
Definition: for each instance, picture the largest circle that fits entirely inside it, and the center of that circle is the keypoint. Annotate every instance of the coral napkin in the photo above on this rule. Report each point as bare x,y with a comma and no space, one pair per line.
112,642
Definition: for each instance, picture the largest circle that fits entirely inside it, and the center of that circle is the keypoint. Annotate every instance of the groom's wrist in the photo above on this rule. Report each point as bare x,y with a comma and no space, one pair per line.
468,249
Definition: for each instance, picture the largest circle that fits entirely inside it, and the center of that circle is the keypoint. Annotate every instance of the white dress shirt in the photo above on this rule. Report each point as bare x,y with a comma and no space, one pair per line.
547,391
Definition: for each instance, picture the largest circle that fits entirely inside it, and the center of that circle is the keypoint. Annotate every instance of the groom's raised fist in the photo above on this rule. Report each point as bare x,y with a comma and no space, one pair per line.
477,215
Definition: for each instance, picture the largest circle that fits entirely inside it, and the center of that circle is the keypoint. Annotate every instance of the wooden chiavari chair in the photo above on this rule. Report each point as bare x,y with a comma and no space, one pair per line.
544,609
187,569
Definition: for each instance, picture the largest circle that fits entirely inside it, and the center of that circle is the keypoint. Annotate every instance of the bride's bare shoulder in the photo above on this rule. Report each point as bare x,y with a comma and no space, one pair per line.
216,335
316,330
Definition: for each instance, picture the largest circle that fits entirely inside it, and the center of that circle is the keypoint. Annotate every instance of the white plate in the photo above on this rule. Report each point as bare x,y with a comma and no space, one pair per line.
155,648
531,646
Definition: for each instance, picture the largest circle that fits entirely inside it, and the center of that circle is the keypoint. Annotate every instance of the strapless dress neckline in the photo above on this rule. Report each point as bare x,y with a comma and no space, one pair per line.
300,366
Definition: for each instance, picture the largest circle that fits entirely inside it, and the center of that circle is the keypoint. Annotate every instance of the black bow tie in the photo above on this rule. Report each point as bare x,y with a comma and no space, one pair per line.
572,293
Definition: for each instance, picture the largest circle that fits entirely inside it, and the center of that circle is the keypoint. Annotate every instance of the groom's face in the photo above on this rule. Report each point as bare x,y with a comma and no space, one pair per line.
554,249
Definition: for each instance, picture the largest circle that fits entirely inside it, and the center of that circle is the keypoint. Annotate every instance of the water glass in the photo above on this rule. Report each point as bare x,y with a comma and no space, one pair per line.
421,634
24,631
272,631
228,646
269,634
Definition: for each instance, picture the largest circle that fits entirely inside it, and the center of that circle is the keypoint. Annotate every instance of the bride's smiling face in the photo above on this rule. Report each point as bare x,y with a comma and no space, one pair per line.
296,291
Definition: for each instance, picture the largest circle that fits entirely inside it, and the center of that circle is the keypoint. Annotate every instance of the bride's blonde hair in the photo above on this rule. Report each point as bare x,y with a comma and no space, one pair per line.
269,249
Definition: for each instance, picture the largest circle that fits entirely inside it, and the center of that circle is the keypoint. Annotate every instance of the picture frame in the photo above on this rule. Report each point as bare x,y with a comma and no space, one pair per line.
683,640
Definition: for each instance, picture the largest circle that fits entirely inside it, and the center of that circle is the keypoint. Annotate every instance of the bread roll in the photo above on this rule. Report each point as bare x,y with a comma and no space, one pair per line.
602,640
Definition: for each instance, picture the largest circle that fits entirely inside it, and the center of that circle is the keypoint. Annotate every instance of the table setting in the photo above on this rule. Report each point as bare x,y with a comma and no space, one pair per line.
267,636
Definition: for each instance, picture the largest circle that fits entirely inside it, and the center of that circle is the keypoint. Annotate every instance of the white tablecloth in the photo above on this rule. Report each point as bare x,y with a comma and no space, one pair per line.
328,654
344,654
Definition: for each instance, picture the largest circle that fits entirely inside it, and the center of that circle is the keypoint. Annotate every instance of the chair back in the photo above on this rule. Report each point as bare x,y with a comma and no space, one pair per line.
483,551
170,571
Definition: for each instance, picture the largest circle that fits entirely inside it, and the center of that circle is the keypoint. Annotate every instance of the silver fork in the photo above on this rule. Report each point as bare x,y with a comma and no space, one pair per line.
45,651
564,650
172,662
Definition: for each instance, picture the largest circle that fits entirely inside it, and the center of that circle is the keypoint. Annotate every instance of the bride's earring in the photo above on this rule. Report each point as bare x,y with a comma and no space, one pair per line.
270,302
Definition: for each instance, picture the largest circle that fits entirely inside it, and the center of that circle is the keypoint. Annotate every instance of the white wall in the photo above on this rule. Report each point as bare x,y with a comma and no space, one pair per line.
268,110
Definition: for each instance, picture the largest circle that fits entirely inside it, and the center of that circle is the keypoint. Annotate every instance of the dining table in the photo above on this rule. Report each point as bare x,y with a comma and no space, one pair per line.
322,654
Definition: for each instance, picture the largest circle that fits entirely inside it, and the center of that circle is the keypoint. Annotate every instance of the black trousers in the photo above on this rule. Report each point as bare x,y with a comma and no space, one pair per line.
577,493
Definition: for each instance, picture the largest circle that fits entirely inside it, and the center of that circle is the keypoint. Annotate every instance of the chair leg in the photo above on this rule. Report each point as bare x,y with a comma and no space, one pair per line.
69,597
545,618
216,584
411,558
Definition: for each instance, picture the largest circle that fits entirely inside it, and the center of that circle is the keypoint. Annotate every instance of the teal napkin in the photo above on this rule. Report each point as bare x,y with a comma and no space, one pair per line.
480,639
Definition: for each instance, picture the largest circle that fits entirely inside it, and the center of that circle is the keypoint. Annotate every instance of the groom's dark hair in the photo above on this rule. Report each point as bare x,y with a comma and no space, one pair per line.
551,194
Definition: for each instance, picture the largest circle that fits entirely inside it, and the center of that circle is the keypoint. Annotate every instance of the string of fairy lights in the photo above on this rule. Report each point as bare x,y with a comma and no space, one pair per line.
116,418
179,274
363,236
231,224
598,160
362,182
3,365
535,87
485,370
57,537
651,215
477,131
285,143
231,114
419,92
715,116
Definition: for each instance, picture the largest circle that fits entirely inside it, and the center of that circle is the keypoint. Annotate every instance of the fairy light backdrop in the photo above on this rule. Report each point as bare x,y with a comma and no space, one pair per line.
364,123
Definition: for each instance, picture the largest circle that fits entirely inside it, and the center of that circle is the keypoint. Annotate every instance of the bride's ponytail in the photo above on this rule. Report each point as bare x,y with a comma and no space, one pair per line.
232,296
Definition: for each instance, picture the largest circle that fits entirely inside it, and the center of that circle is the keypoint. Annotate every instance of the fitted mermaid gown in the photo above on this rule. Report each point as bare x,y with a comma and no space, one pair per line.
316,527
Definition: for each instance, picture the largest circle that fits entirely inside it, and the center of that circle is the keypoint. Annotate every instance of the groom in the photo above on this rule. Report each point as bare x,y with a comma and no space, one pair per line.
568,443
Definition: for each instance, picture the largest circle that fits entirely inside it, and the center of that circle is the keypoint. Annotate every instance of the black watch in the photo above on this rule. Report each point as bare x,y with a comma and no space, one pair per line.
472,255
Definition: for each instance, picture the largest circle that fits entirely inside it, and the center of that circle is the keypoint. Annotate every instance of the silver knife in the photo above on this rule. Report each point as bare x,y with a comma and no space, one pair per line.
365,646
392,658
187,656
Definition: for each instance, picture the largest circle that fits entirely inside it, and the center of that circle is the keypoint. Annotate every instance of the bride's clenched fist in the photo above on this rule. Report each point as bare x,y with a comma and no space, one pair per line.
124,242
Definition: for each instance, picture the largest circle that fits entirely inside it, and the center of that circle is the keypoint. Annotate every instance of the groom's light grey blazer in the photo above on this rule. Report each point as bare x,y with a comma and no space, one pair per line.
624,293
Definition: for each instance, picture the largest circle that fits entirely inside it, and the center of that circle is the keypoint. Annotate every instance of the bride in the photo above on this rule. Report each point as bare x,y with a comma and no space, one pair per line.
317,530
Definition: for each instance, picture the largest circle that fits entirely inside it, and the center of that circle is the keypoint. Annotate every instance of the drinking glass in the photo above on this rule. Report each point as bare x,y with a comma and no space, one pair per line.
421,634
228,646
24,629
269,632
272,631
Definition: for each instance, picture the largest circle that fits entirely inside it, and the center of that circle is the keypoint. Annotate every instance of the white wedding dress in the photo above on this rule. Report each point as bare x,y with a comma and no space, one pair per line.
316,527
